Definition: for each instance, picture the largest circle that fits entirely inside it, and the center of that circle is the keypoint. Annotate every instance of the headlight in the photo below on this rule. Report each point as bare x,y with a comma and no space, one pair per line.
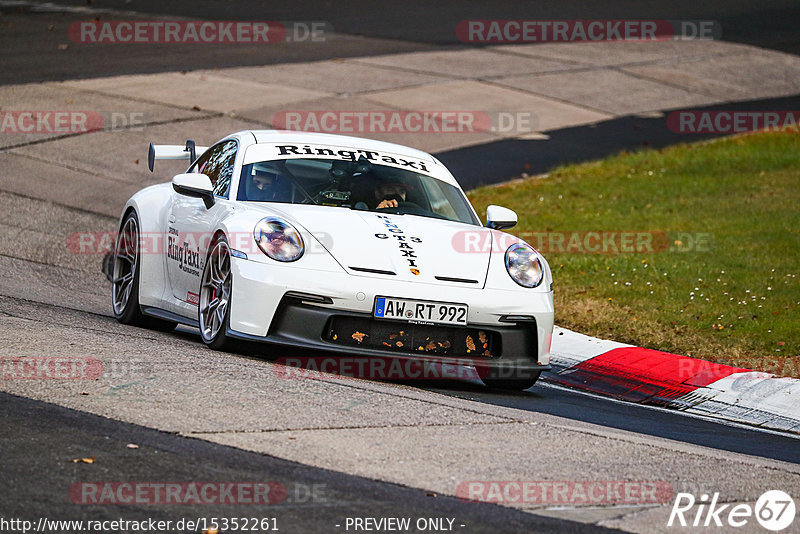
278,239
523,265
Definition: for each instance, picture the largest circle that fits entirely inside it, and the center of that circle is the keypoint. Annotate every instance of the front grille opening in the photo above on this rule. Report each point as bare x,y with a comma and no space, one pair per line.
396,336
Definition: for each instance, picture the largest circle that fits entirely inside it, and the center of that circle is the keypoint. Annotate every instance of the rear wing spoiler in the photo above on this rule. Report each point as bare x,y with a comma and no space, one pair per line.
173,152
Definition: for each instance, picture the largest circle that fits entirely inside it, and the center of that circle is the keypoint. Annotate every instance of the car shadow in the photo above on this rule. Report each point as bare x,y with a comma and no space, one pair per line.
546,398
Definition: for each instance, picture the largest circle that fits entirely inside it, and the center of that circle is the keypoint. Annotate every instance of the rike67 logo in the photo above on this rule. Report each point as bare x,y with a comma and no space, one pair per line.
774,510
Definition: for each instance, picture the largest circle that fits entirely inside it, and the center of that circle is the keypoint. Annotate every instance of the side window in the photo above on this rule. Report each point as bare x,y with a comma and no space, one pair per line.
217,163
202,160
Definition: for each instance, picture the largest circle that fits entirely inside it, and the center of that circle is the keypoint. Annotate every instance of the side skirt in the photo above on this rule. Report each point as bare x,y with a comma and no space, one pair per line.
169,316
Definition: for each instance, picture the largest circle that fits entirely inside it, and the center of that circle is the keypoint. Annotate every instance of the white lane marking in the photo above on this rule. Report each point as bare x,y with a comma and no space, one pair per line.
760,398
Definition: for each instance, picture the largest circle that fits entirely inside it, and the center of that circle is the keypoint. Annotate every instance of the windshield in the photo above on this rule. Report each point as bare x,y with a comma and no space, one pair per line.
359,185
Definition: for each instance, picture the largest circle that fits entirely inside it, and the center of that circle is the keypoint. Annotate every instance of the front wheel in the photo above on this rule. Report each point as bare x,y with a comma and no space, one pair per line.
215,296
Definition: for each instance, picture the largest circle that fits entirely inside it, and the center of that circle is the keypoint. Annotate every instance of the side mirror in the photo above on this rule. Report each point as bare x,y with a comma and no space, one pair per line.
194,184
499,218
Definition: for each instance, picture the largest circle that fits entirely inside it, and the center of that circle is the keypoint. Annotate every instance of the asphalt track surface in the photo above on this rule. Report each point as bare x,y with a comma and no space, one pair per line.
40,439
30,37
38,471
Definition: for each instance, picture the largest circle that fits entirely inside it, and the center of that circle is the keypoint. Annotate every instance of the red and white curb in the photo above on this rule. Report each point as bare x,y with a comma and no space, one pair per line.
659,378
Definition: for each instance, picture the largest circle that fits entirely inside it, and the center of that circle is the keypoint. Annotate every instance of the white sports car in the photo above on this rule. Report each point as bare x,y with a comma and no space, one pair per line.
347,245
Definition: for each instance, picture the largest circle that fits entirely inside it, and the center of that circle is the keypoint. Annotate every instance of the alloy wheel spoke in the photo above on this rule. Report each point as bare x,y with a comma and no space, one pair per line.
128,292
216,275
211,306
214,324
124,279
209,284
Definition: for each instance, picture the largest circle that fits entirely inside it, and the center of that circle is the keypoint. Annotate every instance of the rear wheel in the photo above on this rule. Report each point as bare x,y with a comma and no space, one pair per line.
215,296
125,262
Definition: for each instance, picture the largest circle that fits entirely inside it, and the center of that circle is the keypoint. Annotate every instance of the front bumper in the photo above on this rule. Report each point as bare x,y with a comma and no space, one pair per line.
297,324
505,328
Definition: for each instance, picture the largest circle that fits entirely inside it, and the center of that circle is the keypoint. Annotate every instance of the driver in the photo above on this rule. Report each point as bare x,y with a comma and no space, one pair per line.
266,187
390,194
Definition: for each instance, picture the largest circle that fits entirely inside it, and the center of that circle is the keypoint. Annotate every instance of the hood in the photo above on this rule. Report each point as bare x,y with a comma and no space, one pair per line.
397,247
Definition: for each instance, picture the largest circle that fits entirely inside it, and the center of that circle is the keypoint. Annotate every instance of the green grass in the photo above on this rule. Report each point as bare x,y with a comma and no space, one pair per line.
733,297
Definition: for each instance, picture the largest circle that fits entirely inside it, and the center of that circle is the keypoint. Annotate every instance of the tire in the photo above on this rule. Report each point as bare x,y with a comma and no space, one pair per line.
516,384
213,312
124,270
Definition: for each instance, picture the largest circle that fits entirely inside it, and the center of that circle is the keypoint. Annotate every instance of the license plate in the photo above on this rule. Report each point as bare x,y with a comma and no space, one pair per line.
420,311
